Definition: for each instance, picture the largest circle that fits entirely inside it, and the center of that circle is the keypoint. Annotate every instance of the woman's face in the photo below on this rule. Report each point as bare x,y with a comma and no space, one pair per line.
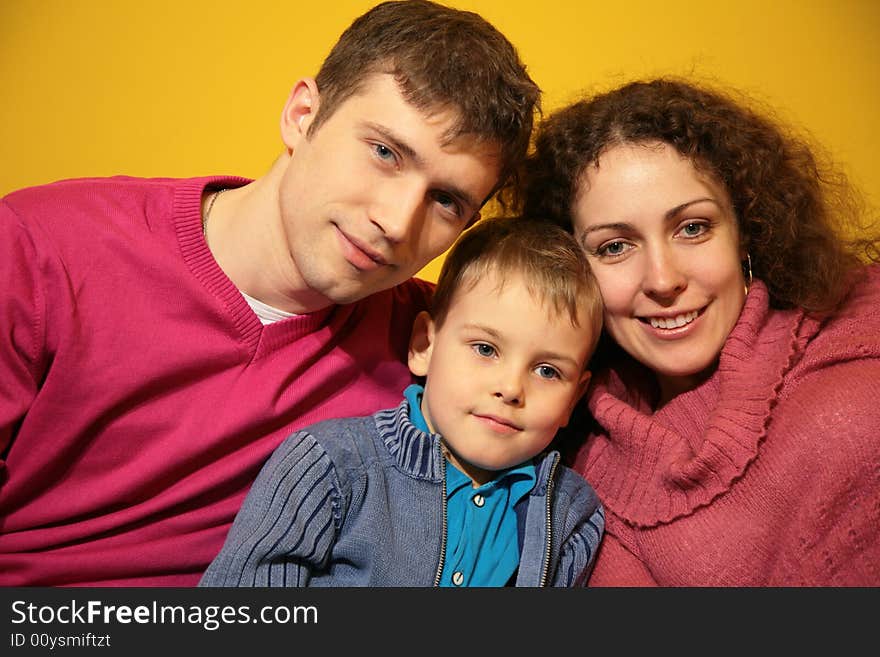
662,240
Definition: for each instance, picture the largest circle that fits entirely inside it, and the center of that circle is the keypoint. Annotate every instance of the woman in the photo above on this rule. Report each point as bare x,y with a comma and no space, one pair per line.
735,438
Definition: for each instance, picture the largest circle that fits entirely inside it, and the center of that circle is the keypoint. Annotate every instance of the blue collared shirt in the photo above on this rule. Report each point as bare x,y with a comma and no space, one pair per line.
481,546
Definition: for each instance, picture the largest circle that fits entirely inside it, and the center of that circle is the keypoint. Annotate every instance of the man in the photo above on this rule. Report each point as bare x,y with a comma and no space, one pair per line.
159,338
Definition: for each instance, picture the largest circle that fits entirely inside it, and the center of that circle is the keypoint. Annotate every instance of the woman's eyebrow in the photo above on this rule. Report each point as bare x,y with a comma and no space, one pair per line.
679,208
672,212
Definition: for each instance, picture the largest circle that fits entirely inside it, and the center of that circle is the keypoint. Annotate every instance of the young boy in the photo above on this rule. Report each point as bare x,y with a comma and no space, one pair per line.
455,486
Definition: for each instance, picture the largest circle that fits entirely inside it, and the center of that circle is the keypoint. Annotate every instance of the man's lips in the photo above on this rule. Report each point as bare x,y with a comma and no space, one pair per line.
359,253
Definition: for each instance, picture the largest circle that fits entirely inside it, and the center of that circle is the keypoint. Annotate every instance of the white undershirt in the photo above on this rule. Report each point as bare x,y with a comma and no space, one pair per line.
265,312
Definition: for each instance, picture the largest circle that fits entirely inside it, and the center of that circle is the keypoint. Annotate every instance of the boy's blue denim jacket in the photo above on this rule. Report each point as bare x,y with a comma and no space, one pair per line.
361,502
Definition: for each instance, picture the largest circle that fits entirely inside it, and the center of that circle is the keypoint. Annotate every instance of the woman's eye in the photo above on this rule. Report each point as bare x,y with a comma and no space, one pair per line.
483,349
547,372
693,229
612,249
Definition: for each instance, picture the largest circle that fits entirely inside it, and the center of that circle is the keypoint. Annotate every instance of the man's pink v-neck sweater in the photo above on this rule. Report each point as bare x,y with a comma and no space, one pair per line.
140,395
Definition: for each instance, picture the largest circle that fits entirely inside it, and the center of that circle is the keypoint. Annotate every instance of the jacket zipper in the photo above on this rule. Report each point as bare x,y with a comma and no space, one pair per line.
443,538
549,541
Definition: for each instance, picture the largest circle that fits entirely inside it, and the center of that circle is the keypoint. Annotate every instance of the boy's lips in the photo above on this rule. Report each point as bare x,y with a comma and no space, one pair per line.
497,422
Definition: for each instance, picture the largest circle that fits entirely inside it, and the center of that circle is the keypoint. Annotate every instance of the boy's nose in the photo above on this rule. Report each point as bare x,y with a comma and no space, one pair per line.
510,390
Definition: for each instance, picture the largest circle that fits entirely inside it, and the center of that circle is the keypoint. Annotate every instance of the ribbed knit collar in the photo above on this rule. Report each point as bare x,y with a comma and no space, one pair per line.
187,217
418,453
653,467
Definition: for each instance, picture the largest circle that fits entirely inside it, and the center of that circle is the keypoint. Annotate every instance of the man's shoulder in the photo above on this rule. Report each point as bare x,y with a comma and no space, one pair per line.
87,186
64,200
399,304
414,291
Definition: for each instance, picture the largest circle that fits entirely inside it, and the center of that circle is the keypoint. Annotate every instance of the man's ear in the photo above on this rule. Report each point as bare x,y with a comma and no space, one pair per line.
299,112
421,343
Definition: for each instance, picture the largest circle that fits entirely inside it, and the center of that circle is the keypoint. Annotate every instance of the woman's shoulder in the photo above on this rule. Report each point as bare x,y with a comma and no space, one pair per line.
842,358
853,330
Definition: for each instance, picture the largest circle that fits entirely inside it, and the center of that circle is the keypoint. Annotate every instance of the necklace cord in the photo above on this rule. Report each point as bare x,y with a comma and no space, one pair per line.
208,213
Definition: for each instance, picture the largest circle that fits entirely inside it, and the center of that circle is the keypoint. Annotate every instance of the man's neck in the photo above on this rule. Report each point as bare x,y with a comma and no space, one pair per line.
248,241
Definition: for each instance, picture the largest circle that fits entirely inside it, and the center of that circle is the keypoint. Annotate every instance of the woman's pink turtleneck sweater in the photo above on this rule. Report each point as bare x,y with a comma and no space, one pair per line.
767,474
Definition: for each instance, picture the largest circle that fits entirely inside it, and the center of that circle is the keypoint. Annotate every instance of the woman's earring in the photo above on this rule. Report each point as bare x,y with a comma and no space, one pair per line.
747,272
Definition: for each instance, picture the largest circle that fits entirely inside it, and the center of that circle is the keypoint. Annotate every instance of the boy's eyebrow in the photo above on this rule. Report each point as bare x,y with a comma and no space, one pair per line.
552,355
409,151
543,355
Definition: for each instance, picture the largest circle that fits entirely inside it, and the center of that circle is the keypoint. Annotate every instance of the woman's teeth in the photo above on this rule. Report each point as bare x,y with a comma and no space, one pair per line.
673,322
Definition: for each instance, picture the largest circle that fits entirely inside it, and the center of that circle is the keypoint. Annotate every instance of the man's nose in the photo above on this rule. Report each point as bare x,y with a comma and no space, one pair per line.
399,210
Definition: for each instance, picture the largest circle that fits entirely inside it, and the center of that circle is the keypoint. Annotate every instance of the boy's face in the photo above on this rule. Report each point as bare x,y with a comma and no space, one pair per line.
503,373
376,192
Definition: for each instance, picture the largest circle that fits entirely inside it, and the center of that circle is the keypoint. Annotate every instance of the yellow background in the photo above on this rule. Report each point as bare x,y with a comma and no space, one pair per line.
192,87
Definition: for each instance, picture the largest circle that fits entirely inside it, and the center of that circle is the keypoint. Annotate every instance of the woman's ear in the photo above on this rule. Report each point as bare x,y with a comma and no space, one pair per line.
420,344
299,112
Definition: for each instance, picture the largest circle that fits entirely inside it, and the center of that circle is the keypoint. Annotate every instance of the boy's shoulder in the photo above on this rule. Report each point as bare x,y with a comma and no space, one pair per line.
575,489
348,441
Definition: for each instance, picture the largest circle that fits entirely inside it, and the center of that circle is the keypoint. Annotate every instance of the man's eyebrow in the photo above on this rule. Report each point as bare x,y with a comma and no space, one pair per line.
398,144
395,141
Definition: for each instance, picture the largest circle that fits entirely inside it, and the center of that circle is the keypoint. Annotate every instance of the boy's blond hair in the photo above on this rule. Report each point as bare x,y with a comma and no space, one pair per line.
550,261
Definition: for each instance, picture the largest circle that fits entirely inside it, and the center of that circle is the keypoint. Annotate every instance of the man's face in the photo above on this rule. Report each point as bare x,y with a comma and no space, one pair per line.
376,193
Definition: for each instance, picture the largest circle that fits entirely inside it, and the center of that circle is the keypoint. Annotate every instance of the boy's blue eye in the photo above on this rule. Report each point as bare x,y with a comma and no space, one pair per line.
483,349
547,372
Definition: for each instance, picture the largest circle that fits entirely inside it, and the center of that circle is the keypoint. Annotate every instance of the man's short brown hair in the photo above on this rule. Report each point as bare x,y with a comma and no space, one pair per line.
442,58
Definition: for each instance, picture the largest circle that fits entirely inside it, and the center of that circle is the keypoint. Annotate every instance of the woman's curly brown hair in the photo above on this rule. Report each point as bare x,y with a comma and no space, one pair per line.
796,218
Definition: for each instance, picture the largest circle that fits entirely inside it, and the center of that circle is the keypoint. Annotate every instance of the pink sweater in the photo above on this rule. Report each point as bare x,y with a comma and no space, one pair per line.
767,474
139,394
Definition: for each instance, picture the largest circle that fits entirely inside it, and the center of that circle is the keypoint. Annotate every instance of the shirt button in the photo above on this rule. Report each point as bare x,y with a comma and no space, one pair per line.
457,578
479,500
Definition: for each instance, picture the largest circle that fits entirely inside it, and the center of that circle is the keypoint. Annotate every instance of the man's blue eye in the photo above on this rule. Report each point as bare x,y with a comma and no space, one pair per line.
383,151
448,202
